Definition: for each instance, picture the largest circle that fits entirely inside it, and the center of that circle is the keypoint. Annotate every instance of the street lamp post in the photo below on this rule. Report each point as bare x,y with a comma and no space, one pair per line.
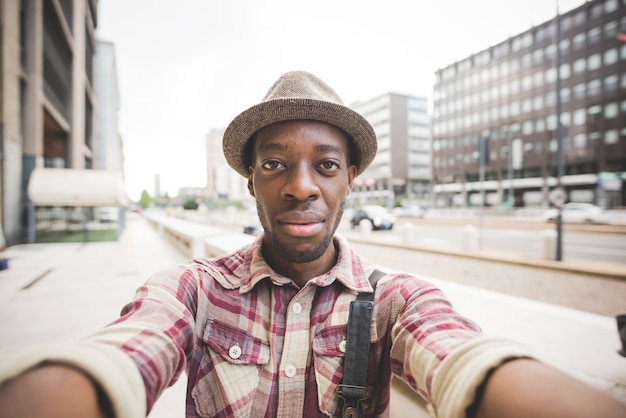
510,196
559,130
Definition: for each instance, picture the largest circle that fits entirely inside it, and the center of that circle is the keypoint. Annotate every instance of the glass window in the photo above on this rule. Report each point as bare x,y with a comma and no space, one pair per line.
550,98
610,83
579,116
580,141
540,126
611,110
538,102
564,71
554,145
527,127
594,111
526,60
515,108
579,41
551,122
594,137
566,118
515,86
594,35
504,111
594,62
579,91
579,65
527,82
596,10
610,56
550,75
610,29
622,52
565,94
564,46
527,105
594,87
610,6
611,137
538,79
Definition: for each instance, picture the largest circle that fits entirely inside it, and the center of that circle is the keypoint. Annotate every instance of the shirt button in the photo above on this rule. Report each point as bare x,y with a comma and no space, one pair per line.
296,308
290,371
234,352
342,346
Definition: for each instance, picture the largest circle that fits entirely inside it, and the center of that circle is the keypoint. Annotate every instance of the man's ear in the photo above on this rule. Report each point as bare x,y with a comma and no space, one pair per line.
351,175
251,181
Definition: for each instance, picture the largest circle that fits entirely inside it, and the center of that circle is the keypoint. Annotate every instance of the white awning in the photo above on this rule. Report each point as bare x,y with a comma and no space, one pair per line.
75,187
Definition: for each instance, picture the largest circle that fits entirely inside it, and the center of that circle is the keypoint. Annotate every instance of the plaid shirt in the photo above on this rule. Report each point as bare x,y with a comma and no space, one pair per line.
253,344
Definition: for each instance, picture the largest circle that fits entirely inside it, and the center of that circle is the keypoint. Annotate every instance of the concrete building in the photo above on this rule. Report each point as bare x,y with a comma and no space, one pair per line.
108,147
223,183
48,119
401,170
515,96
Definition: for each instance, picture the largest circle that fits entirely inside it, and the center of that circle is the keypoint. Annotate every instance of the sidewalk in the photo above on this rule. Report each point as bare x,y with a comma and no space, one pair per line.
59,292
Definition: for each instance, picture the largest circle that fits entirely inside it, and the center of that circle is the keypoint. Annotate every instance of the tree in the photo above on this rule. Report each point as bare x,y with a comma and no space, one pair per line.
145,199
190,204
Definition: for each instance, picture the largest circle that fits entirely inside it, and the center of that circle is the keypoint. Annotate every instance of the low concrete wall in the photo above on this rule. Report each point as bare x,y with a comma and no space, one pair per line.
198,240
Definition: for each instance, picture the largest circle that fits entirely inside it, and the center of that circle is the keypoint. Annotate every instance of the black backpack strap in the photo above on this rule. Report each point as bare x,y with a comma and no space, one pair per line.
353,387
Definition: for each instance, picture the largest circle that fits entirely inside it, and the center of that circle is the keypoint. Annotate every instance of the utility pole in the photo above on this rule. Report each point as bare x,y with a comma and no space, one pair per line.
510,196
483,150
559,134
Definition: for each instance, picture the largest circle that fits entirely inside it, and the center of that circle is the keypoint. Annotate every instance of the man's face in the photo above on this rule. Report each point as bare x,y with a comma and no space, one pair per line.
300,176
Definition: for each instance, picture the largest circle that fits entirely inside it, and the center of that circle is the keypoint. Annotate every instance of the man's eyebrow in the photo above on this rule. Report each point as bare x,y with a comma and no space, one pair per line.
329,148
275,146
272,146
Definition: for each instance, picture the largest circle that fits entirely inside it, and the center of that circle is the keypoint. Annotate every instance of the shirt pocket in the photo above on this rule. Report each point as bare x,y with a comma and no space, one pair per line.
231,375
329,346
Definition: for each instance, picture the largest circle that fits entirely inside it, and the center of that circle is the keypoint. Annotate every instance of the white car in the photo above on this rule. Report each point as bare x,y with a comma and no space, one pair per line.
578,213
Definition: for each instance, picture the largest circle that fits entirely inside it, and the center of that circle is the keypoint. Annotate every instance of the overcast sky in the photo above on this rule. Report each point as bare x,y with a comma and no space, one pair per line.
188,66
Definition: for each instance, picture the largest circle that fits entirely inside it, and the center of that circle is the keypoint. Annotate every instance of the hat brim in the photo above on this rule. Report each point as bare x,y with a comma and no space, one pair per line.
248,122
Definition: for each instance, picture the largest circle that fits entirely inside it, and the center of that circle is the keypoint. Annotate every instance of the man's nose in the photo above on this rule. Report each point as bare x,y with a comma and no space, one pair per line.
301,183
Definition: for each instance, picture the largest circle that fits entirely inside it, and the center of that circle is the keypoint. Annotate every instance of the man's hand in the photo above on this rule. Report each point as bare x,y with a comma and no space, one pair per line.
51,391
528,388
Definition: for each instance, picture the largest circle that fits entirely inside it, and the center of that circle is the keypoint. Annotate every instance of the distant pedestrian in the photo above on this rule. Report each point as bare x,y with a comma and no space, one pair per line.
263,332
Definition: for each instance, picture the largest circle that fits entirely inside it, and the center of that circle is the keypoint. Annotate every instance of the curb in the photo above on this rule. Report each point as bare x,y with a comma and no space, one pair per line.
594,268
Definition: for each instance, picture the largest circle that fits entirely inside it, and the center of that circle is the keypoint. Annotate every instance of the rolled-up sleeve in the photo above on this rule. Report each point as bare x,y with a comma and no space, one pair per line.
442,355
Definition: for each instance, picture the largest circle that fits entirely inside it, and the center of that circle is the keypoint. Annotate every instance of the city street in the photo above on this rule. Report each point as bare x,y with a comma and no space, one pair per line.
523,240
60,292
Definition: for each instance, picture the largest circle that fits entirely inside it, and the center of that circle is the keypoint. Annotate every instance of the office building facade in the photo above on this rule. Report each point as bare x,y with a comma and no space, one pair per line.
47,101
400,172
513,95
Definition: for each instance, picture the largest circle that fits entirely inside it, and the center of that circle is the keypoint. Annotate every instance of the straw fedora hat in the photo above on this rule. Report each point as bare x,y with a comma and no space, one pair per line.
298,95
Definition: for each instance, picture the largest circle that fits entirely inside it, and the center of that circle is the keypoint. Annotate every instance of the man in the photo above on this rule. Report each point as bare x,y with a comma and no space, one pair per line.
261,332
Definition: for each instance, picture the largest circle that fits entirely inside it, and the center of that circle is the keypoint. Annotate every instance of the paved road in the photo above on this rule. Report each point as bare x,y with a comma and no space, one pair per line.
595,294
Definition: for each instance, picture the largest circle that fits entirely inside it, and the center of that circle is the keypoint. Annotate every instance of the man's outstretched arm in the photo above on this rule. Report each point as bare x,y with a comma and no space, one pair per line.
53,390
527,388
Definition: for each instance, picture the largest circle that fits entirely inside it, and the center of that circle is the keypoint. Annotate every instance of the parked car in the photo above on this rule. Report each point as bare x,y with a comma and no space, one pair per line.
408,212
578,213
378,216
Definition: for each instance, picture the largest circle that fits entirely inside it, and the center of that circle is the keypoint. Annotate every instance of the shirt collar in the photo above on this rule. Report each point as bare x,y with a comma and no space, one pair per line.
351,270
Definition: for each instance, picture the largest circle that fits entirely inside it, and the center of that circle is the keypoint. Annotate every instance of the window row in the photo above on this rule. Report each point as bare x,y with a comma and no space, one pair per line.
576,145
499,74
465,111
498,57
583,116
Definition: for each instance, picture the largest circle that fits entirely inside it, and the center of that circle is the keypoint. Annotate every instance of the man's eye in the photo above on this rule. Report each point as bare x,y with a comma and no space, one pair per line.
271,165
329,165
